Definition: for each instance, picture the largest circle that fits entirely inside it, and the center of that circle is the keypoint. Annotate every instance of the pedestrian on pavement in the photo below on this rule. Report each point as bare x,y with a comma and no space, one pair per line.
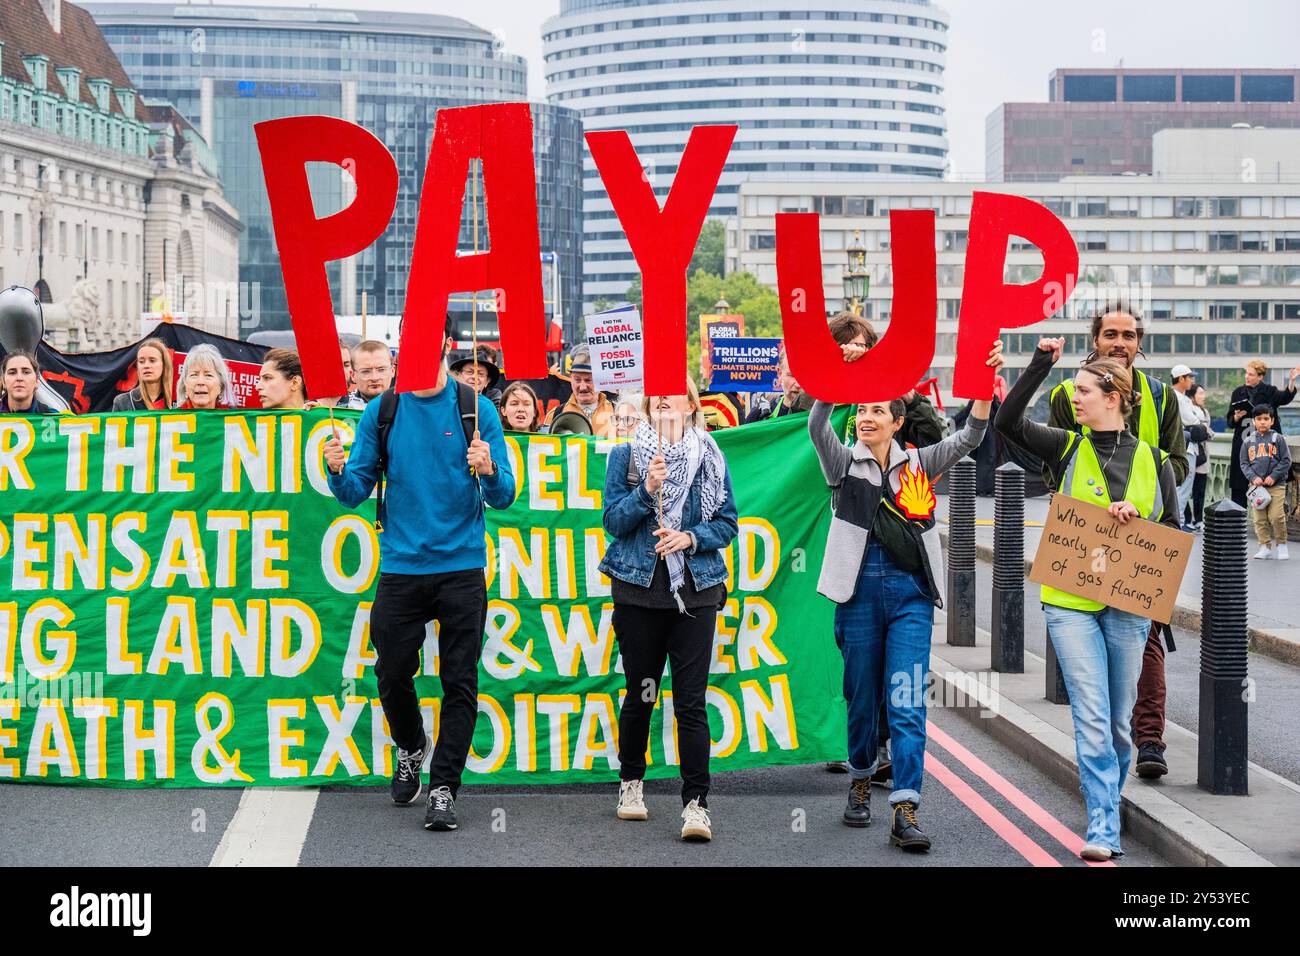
670,513
279,382
1100,648
1202,479
1266,464
20,374
1241,405
884,571
153,372
1184,380
439,470
1155,417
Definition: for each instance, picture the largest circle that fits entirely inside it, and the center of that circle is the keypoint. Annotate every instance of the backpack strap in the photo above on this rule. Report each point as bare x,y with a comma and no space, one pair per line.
387,414
467,402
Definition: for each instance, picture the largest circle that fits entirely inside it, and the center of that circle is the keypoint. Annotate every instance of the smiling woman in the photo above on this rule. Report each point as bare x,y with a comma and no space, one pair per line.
205,380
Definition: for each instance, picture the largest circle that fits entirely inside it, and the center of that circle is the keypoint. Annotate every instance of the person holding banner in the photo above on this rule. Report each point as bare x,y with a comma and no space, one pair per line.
153,370
793,398
1100,648
439,471
20,374
204,383
279,383
670,512
884,571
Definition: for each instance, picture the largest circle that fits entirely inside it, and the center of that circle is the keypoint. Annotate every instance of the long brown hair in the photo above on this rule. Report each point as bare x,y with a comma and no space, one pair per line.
167,369
505,397
4,367
1112,376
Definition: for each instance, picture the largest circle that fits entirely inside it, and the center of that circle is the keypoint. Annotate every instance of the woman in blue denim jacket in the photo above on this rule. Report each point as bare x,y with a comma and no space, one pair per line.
670,511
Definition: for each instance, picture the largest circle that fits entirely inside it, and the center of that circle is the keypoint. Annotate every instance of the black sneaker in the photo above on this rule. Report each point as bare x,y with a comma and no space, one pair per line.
906,832
406,786
1151,762
837,766
858,812
441,814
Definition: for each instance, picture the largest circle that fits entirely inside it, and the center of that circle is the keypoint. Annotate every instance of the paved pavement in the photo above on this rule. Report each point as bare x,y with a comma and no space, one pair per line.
983,805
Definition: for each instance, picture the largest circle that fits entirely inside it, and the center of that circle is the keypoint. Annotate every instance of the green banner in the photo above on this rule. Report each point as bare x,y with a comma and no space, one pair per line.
184,603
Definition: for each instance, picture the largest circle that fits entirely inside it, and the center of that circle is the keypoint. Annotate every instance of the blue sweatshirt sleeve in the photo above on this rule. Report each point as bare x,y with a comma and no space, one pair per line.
361,472
498,487
625,508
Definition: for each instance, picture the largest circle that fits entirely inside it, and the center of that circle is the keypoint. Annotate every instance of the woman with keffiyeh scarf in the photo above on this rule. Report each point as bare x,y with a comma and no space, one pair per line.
670,512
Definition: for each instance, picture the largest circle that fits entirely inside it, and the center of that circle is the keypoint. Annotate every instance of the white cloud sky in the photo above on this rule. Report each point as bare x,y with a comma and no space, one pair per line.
999,50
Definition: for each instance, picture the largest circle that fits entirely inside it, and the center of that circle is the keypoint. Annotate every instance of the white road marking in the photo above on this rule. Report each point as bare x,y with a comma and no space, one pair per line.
268,829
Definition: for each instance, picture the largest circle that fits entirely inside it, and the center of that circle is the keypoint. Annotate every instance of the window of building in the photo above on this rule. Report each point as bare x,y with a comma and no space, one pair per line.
1161,309
1253,242
63,238
1268,89
1189,309
1254,310
1162,207
1252,207
858,206
1224,242
1149,89
1249,275
18,230
1286,310
1091,89
1286,242
1092,206
1185,241
1123,206
1187,208
1209,89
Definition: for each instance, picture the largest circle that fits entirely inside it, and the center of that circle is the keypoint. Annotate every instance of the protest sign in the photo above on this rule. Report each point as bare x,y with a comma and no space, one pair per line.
185,604
1135,567
745,365
728,326
617,348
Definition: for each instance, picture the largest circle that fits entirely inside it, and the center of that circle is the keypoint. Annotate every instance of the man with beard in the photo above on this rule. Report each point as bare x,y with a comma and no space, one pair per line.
586,398
1155,418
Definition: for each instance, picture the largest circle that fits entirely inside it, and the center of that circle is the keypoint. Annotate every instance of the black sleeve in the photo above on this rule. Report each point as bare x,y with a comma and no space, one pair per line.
1043,441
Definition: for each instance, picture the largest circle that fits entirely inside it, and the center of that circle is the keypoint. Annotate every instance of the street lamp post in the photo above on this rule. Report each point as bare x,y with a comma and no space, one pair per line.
856,281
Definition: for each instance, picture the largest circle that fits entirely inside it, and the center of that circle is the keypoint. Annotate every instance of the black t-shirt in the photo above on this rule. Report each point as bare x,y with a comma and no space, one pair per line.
657,594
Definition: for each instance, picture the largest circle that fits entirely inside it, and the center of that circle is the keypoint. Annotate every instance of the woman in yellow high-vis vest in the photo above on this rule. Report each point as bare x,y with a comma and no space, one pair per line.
1099,648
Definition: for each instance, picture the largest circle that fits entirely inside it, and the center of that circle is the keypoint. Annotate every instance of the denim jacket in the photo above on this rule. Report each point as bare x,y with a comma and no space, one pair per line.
631,518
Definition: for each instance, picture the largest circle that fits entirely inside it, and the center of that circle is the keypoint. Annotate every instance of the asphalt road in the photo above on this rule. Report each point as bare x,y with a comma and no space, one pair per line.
786,816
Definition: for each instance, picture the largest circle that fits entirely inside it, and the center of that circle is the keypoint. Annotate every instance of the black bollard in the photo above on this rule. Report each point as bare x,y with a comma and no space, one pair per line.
1055,691
961,553
1221,760
1008,645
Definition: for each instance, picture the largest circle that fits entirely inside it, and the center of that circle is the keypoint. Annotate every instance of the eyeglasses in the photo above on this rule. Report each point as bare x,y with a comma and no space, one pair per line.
625,420
372,372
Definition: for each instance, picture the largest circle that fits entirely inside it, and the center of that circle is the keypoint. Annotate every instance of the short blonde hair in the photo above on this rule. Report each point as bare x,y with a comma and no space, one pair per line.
694,420
1258,367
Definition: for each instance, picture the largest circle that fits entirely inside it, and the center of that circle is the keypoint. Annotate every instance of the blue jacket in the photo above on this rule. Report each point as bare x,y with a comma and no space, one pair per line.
631,518
434,513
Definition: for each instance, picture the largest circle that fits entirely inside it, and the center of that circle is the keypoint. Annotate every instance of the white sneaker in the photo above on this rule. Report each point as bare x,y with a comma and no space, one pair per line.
1282,553
1265,552
1091,851
631,801
695,822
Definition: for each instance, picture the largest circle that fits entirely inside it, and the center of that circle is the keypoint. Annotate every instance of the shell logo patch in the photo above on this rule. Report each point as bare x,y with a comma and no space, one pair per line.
915,496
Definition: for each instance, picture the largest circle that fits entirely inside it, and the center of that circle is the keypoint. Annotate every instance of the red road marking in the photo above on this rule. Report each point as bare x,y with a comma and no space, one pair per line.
1014,837
1054,827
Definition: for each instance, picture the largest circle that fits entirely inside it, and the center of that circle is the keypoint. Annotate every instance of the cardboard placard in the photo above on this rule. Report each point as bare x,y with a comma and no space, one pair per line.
745,365
1135,567
617,349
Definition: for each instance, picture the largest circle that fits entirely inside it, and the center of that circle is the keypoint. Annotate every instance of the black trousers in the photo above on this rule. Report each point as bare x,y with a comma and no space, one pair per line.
1198,496
403,603
647,637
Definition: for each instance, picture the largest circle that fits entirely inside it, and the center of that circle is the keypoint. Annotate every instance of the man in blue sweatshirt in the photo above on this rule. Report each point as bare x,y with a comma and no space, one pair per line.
432,555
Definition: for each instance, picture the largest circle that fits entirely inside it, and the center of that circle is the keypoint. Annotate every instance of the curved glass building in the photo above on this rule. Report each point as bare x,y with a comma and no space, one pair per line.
226,67
821,90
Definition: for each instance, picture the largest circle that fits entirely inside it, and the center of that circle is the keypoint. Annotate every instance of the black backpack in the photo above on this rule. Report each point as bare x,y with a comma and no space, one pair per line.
466,400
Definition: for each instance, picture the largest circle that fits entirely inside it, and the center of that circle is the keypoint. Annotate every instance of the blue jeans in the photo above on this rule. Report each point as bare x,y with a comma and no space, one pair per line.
884,634
1100,657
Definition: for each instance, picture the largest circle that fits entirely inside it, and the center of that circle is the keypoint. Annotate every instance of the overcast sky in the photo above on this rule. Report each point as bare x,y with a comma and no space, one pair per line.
999,50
